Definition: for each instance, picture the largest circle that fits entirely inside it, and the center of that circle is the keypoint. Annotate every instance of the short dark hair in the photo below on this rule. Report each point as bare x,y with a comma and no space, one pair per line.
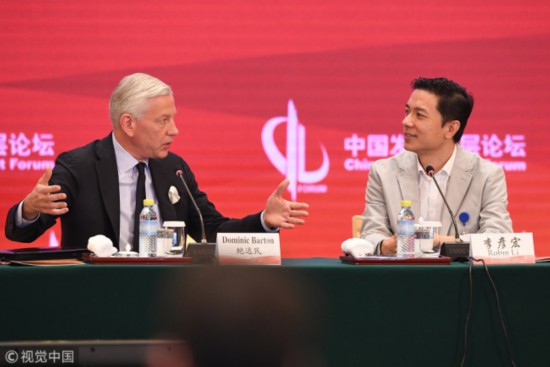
455,103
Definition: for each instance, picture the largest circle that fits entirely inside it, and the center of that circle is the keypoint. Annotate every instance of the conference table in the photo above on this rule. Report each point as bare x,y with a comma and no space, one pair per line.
365,315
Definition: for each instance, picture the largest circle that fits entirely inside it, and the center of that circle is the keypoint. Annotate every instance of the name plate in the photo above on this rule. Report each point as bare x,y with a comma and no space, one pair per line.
249,248
505,248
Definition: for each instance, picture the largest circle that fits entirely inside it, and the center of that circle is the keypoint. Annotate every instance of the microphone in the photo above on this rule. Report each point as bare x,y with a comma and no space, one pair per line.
459,249
203,252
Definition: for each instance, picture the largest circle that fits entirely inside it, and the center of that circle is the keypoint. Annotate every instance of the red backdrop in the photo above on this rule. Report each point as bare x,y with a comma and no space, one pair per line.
328,79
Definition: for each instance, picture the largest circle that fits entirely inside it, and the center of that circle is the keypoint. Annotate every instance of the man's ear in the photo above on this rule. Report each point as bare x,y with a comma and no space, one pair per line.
452,128
127,123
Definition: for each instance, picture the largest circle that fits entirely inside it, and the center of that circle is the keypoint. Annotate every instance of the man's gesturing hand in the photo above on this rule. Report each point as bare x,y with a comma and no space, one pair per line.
44,199
283,213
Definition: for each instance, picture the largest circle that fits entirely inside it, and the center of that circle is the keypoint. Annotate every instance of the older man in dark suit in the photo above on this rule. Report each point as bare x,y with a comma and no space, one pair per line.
93,188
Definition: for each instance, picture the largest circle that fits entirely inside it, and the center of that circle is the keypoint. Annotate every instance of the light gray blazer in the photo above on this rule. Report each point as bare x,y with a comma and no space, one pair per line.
476,186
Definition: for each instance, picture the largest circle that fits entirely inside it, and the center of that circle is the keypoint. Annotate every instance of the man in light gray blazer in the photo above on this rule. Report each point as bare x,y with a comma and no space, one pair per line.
435,118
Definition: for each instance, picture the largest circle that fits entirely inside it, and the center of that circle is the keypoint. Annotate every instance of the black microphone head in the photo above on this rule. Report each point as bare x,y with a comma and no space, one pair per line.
179,172
430,170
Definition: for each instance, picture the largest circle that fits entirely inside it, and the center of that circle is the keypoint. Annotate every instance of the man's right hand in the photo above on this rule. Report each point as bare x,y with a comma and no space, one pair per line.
44,199
389,246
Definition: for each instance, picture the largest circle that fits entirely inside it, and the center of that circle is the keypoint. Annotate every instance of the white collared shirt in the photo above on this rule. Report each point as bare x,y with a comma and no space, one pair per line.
431,202
127,181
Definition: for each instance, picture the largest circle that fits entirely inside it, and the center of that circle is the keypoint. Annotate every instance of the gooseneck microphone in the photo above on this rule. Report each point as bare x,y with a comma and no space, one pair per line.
179,173
431,172
458,250
203,253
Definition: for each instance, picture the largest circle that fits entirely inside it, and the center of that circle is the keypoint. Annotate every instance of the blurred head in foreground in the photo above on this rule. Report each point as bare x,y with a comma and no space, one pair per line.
230,316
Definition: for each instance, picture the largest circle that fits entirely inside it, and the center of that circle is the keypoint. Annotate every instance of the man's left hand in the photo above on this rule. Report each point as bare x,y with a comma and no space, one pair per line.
282,213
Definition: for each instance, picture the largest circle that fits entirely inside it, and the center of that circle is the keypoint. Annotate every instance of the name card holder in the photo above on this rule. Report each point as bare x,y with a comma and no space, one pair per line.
503,248
248,249
202,253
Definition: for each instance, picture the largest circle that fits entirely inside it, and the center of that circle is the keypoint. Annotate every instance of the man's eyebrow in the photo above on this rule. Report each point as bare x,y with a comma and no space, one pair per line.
417,109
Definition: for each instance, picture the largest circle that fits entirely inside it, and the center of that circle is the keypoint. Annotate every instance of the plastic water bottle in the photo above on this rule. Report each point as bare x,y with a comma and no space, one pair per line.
405,230
148,230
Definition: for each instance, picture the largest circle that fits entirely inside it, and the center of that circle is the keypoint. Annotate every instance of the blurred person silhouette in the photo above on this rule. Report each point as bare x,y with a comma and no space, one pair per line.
245,317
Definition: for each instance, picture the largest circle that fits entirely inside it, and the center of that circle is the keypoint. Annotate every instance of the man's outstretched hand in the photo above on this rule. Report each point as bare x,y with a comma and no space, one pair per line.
283,213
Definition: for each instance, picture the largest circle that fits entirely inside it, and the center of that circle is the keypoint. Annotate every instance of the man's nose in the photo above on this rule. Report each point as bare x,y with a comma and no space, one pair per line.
173,129
407,122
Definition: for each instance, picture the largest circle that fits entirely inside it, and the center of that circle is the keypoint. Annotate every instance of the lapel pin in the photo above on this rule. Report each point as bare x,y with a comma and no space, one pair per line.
464,217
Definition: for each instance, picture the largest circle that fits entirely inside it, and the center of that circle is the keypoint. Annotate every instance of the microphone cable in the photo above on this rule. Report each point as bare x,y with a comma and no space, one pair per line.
501,317
468,314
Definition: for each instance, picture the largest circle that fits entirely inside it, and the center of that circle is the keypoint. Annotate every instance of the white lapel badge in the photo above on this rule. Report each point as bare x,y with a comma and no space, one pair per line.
173,195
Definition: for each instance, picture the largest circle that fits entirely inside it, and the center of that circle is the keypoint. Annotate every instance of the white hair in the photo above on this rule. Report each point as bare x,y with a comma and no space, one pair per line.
131,94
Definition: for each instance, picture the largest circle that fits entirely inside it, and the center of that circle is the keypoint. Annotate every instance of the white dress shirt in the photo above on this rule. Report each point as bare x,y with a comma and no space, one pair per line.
127,181
431,202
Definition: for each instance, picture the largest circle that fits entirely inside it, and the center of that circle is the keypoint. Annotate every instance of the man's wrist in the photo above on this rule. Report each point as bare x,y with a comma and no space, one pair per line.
380,246
20,220
30,218
267,228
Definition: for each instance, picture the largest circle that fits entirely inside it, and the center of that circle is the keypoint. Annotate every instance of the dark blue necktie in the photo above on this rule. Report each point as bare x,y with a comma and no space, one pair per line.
140,196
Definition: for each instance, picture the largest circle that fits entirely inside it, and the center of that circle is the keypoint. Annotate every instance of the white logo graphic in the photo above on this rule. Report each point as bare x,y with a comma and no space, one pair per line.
53,239
19,152
293,165
11,356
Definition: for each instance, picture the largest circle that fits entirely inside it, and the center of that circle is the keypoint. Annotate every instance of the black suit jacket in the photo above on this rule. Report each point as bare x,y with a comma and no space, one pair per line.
89,177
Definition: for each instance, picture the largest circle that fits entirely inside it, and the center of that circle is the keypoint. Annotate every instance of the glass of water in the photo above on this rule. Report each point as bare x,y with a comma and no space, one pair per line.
164,241
425,234
179,237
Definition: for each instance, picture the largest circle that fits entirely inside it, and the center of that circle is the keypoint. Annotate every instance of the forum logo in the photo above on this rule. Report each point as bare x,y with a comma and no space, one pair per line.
292,163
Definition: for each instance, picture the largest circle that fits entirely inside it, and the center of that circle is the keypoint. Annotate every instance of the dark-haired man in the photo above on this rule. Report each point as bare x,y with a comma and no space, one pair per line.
436,115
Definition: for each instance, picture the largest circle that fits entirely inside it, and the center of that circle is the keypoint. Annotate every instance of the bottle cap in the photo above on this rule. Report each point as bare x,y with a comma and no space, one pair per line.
148,202
406,203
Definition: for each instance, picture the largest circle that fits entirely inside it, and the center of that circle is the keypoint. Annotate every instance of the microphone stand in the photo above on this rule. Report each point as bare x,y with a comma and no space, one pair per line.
458,250
205,252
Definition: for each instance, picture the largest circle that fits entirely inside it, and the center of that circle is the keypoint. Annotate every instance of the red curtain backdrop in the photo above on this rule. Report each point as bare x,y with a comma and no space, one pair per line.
310,90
